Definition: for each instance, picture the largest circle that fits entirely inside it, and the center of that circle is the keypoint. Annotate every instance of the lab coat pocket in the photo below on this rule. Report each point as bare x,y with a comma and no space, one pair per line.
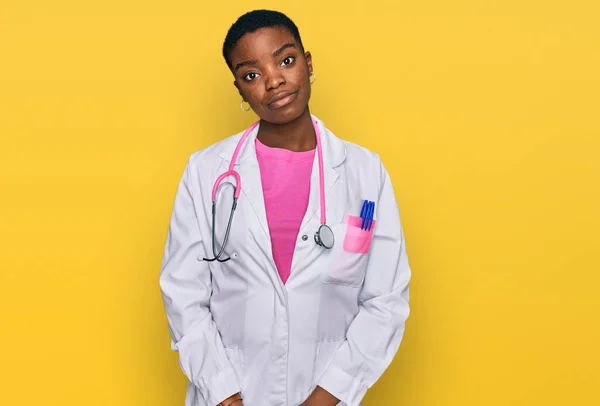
349,255
357,239
236,357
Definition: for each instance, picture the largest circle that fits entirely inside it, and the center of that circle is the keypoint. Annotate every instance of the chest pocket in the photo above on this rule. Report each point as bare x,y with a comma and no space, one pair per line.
350,253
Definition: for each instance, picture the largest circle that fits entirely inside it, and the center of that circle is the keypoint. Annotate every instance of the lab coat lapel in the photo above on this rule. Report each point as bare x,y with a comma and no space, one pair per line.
251,188
331,154
334,154
252,191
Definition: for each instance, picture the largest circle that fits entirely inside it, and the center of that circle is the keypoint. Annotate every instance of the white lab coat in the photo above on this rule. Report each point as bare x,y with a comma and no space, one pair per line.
336,323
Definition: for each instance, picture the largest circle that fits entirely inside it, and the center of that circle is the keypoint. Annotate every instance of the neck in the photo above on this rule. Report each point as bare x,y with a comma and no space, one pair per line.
297,135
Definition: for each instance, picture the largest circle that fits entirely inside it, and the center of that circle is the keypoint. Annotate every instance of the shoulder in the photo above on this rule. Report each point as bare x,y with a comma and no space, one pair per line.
360,158
214,153
352,151
357,152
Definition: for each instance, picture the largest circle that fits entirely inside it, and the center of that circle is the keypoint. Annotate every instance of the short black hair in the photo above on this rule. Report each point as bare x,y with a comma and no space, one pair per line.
253,21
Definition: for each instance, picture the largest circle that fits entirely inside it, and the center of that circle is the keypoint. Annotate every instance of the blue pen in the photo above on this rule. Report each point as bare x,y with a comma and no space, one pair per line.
363,214
371,212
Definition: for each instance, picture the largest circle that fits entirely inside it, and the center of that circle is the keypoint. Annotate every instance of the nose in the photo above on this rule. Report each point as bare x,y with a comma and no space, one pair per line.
274,79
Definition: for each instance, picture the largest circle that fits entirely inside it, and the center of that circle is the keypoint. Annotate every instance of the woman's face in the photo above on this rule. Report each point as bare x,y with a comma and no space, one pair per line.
272,74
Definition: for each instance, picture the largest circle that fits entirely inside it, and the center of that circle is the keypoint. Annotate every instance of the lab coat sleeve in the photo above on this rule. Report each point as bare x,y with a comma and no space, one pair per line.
185,283
374,336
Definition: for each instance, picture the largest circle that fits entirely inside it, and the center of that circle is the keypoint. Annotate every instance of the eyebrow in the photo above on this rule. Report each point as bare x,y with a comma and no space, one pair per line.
283,48
254,61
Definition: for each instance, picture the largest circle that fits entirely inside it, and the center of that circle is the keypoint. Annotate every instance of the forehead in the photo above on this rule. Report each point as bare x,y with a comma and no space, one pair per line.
260,43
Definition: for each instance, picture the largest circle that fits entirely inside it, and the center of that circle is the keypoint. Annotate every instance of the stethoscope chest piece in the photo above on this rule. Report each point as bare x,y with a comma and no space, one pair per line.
324,236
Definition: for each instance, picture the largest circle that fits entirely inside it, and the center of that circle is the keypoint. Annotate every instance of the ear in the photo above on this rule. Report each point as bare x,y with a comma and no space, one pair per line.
308,57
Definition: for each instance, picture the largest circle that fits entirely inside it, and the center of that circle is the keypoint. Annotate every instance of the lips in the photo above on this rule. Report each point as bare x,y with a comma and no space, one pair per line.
281,99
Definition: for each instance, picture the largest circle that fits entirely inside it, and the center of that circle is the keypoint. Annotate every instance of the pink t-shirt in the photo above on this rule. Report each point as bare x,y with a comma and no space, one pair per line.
285,177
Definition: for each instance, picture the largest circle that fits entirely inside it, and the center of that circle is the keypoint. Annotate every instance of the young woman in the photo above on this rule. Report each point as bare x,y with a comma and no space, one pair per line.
285,275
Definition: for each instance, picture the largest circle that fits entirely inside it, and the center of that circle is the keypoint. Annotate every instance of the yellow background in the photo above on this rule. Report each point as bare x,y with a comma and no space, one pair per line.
486,114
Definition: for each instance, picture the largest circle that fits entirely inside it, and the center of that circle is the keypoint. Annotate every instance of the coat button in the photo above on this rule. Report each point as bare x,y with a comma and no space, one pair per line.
304,237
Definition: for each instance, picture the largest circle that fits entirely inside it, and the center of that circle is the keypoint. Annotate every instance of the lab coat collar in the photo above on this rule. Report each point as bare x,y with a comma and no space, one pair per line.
334,150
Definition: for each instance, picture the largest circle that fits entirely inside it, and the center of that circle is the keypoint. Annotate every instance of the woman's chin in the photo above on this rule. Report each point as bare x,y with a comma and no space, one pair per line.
285,115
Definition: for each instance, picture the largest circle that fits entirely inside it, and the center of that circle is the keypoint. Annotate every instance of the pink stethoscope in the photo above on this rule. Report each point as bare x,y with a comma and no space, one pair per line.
323,237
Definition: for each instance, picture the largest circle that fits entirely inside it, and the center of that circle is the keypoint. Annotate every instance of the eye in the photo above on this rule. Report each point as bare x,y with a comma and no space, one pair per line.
288,61
250,76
